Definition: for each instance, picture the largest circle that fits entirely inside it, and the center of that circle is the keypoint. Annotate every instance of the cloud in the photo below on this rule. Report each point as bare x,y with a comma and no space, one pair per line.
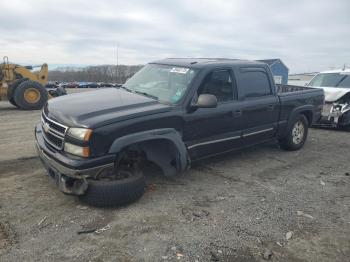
306,35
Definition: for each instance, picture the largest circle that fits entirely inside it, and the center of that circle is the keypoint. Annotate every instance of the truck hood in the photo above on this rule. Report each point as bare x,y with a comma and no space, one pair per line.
97,108
332,94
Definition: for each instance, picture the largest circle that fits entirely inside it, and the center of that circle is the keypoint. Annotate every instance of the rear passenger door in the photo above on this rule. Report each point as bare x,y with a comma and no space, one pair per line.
259,104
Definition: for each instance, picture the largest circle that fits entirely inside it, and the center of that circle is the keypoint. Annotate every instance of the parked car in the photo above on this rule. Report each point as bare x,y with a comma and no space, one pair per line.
336,85
88,85
52,84
93,85
72,85
63,84
105,85
171,113
83,85
59,91
117,84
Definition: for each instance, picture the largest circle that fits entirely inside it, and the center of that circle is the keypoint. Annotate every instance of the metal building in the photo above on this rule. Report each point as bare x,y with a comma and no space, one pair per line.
279,70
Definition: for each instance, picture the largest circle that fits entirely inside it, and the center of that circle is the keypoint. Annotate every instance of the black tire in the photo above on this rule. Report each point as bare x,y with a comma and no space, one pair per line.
11,90
19,95
293,141
114,193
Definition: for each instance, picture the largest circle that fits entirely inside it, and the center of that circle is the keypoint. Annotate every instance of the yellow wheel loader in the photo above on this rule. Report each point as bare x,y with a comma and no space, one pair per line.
24,88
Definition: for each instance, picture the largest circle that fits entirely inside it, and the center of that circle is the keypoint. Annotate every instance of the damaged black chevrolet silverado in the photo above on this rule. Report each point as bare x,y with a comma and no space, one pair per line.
170,113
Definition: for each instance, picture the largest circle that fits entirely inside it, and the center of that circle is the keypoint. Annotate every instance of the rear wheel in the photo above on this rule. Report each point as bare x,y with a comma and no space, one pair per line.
30,95
297,134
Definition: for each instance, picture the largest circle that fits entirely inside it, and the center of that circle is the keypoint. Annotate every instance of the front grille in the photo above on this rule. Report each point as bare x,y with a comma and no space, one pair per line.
53,132
59,129
58,142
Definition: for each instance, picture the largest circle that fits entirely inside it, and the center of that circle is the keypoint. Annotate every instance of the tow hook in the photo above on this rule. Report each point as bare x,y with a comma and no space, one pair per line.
71,186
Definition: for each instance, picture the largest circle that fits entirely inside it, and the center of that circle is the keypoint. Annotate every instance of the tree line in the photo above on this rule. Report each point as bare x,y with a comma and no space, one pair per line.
102,73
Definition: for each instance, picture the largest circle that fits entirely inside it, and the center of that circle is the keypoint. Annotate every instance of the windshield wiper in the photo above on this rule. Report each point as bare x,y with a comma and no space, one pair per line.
146,94
139,92
125,88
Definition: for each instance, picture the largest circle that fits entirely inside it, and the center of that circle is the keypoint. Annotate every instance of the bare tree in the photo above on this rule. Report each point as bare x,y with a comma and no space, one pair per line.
103,73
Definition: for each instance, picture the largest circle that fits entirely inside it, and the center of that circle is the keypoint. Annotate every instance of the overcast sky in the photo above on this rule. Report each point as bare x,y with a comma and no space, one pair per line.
306,35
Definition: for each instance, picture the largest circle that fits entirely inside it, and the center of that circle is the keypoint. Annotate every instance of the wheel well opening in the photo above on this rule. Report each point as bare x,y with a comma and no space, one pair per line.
308,115
157,154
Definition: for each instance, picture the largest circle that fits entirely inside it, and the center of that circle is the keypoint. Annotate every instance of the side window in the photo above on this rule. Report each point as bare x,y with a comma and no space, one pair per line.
254,84
218,83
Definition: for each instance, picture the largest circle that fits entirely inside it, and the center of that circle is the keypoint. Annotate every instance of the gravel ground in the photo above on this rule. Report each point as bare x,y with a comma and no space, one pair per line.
259,203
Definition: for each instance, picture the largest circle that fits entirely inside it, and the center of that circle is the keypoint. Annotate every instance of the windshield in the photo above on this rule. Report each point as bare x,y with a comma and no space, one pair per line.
162,82
331,80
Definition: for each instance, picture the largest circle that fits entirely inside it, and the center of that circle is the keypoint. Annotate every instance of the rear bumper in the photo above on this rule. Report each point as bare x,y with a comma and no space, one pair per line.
70,174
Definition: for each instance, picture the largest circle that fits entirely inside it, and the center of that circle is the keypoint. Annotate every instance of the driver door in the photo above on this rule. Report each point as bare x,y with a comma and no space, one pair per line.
210,131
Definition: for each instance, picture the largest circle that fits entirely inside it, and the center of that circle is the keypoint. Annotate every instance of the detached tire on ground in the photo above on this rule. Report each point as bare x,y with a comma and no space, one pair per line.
102,193
30,95
11,90
297,134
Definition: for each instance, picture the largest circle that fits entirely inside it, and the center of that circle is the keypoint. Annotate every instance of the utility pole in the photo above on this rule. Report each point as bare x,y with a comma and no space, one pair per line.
117,73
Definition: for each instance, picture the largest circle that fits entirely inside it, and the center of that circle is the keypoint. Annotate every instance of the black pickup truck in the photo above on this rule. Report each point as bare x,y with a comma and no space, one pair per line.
170,113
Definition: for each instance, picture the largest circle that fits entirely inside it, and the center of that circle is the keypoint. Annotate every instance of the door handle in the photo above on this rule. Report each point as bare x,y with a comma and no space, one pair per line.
237,113
270,107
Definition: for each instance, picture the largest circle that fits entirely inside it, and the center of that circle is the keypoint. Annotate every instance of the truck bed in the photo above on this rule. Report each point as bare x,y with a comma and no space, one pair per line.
291,96
283,89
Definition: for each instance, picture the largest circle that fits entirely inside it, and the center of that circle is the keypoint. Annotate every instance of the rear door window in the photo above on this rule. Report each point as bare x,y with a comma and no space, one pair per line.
254,84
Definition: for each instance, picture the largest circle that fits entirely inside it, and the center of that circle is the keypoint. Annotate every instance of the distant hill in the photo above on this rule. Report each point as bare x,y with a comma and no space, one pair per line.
101,73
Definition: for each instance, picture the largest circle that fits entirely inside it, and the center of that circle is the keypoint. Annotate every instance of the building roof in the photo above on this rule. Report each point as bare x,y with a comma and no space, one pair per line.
270,62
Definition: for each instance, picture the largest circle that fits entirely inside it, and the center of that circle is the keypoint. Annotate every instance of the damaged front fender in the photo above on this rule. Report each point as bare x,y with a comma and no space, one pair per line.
338,113
164,147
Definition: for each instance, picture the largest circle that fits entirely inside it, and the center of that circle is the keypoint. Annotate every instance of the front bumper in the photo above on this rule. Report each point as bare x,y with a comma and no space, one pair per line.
69,174
336,119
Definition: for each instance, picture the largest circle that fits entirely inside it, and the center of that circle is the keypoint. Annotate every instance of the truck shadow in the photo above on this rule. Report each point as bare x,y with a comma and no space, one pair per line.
329,128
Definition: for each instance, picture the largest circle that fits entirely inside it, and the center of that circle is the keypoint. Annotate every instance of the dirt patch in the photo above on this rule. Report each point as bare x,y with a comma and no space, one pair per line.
236,207
7,238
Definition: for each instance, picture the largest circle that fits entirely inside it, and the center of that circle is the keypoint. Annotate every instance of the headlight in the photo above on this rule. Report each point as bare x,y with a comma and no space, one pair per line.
76,150
82,134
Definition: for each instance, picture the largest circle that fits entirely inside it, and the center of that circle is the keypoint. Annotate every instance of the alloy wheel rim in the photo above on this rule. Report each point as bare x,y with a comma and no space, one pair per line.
298,132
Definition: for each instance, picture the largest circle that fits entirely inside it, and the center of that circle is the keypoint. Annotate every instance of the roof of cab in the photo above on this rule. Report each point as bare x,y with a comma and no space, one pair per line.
344,70
204,62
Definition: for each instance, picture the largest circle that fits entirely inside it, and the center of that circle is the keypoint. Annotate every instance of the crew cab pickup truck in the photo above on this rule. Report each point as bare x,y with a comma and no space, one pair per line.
170,113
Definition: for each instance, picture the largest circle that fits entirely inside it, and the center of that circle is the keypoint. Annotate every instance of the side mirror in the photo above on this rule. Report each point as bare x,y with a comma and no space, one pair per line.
206,101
